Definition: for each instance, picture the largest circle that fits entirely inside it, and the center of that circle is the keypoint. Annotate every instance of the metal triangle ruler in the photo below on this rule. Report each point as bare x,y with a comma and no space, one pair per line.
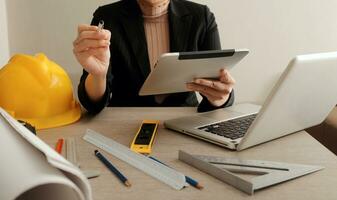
224,169
161,172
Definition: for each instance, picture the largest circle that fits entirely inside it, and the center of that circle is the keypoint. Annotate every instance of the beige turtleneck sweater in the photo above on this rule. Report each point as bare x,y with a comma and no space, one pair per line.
156,26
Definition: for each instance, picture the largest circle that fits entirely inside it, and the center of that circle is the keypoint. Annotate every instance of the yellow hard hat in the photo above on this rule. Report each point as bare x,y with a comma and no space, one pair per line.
38,91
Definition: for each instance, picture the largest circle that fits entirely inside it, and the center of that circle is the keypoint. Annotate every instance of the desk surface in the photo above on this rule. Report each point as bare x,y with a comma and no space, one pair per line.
122,123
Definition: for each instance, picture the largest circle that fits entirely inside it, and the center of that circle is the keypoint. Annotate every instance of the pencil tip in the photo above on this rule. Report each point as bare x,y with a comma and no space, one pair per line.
127,183
200,187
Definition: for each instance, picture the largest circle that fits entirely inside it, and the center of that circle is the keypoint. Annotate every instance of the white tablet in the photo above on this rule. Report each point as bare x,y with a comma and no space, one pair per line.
174,70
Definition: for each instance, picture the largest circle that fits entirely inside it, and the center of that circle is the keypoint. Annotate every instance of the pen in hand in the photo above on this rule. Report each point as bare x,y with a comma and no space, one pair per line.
100,25
113,169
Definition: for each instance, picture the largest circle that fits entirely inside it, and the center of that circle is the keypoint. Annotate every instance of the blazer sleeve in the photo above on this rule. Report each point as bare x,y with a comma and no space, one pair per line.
211,41
87,103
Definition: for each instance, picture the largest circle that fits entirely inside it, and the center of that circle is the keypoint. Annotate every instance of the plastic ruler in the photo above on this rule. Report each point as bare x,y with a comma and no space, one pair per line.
71,154
161,172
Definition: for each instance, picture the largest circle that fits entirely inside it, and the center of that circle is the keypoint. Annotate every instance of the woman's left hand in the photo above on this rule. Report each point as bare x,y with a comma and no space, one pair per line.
216,91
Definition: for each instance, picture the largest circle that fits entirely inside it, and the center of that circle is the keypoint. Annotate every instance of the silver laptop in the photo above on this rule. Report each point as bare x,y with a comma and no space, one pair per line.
303,97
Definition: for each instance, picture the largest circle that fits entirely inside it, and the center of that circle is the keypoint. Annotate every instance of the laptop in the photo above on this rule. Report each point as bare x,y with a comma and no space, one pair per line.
303,97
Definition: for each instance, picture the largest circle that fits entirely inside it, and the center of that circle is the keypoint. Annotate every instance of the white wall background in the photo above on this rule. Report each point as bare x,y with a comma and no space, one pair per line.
4,51
274,31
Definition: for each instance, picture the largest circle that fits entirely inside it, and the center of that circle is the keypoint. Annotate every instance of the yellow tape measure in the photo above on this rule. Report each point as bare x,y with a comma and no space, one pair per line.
143,141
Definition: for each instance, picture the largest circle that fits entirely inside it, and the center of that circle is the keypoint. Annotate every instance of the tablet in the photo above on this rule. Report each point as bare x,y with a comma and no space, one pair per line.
174,70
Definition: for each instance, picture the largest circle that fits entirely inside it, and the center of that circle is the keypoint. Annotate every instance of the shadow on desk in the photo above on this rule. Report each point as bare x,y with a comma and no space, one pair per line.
326,133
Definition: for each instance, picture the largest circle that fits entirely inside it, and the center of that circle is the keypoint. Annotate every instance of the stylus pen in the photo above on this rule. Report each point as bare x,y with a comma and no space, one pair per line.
113,169
189,180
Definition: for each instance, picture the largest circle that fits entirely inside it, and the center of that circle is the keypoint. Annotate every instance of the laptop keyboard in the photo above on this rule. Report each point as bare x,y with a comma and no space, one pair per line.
233,129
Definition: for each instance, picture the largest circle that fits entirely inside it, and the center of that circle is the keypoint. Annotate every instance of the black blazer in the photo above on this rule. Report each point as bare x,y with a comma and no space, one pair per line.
192,28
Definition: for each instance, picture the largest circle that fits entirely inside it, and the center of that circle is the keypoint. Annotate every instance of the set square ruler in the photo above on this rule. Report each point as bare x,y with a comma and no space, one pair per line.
269,173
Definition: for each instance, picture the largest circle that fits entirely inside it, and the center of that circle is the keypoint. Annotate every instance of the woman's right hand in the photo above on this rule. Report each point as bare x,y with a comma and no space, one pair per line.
91,48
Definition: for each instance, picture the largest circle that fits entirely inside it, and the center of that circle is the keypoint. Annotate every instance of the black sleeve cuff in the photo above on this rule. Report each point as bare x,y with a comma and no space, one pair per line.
87,103
206,106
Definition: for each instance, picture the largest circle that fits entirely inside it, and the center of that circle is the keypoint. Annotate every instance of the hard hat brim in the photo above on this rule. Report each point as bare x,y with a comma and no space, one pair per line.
63,119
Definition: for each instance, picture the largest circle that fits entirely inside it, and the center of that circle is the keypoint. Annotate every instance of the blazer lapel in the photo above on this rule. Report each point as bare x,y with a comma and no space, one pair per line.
133,24
180,25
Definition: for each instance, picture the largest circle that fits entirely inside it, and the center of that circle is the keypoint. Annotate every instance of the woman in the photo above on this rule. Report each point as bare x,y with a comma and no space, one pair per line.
117,60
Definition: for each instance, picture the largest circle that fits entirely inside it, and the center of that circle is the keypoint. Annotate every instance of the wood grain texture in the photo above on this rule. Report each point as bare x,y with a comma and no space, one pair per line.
121,124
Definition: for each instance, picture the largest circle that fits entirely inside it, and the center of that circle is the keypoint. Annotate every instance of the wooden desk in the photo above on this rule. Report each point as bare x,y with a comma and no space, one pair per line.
122,123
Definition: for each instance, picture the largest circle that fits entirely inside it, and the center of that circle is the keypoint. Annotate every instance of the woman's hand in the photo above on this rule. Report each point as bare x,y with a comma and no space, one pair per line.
216,91
91,48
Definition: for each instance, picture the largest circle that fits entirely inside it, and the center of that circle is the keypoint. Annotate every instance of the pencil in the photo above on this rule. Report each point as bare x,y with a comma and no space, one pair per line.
113,169
59,145
189,180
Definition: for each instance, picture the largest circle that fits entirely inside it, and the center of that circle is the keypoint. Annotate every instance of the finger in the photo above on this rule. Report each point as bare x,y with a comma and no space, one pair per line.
97,35
205,93
222,87
88,44
98,53
217,85
81,48
225,77
210,97
85,27
205,82
208,90
93,51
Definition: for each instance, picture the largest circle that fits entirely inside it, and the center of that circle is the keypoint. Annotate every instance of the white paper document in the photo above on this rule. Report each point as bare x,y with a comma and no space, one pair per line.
30,169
